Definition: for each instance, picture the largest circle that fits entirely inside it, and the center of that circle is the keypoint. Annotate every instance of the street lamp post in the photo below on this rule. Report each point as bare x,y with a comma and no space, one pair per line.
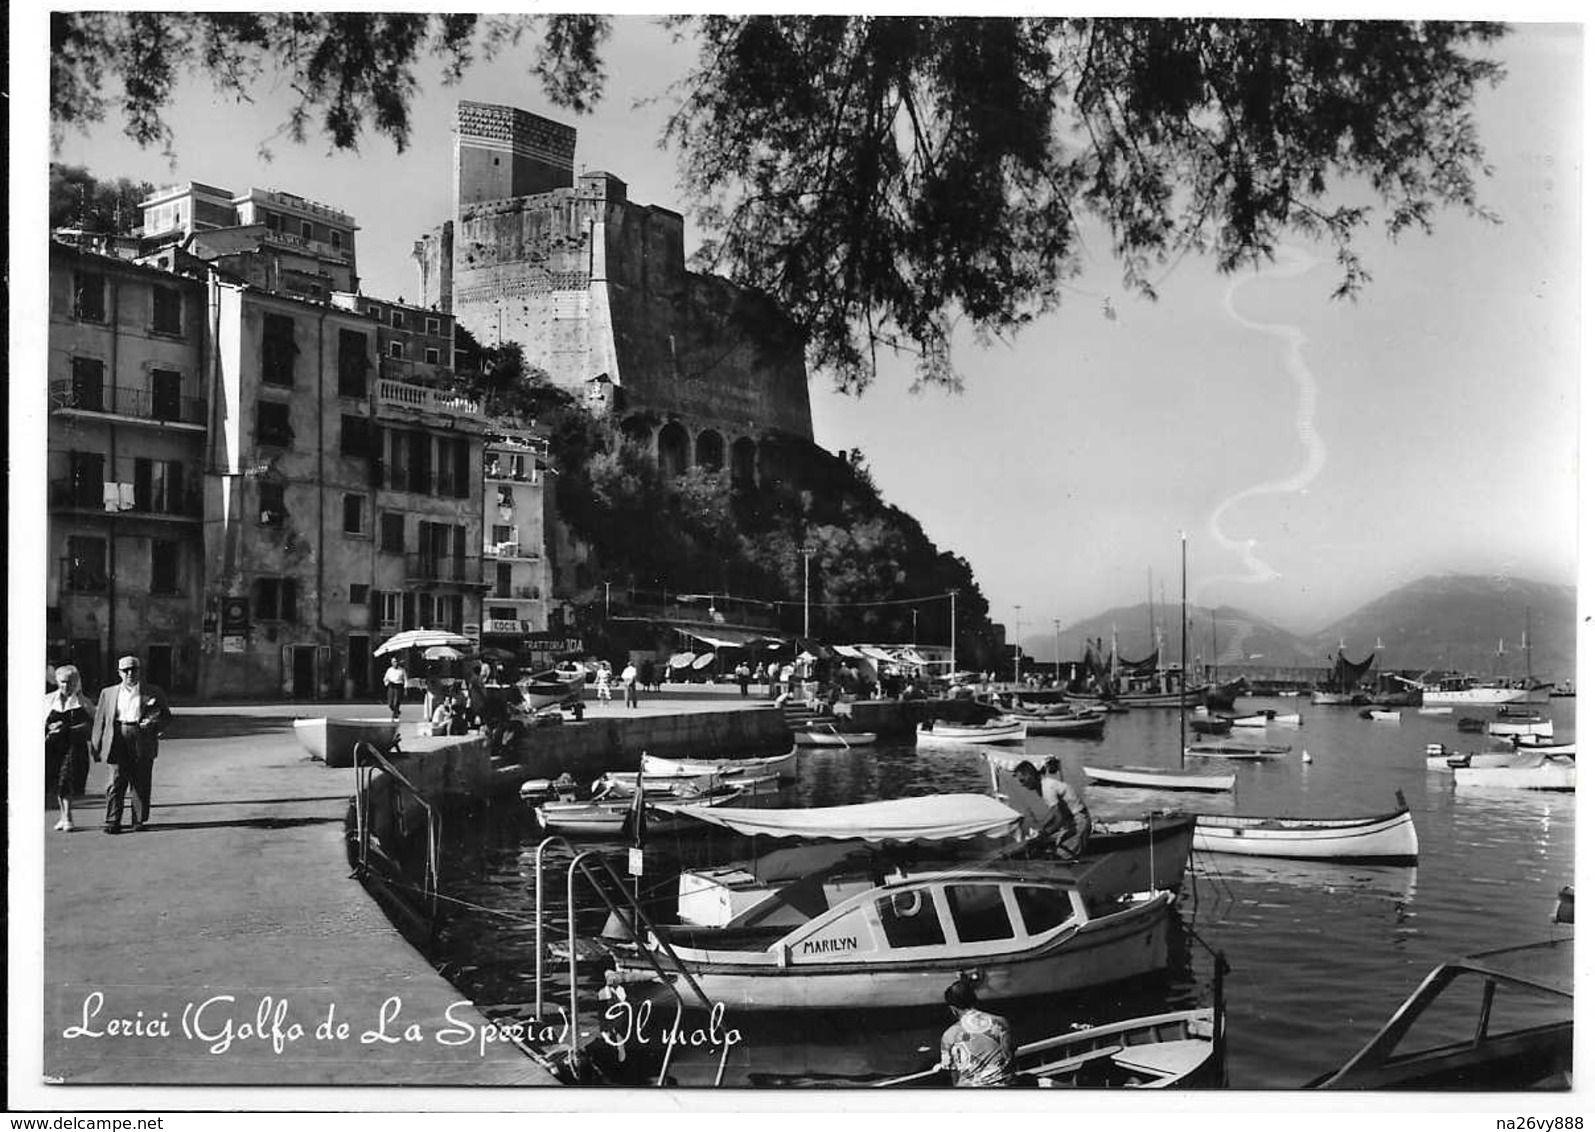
808,552
915,614
1057,655
1017,649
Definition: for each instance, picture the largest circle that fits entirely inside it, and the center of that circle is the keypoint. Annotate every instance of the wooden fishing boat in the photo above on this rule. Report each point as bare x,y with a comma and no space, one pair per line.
1233,749
1066,724
680,787
1158,778
784,765
1496,1021
895,944
614,818
1437,756
1543,744
1003,729
555,686
828,736
1530,771
1212,725
332,740
1389,838
1181,1049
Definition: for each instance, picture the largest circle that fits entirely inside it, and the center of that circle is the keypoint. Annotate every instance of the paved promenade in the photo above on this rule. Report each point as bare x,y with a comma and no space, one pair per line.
227,944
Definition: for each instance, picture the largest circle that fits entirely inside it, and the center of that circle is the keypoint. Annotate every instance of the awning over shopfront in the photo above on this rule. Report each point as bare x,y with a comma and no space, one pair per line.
720,637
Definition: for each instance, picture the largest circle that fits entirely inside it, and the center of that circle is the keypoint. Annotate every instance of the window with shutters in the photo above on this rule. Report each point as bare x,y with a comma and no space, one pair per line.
393,532
277,350
166,394
354,514
168,311
359,593
85,565
88,296
353,363
88,384
273,505
276,599
165,557
272,425
356,436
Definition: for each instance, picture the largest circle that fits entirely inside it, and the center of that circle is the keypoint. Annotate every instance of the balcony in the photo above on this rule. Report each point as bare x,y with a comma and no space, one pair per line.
431,569
432,484
394,393
122,499
135,404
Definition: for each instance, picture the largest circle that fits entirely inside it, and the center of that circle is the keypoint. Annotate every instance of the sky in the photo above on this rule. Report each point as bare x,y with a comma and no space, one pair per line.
1317,453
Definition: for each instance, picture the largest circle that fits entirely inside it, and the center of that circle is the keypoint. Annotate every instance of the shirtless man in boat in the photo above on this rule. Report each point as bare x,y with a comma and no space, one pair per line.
978,1048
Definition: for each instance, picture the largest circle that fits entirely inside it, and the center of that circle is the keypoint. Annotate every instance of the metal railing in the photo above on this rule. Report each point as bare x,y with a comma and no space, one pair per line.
443,568
140,404
368,761
606,871
90,495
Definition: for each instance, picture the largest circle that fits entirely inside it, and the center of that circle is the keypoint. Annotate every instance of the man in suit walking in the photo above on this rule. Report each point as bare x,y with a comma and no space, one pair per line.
127,732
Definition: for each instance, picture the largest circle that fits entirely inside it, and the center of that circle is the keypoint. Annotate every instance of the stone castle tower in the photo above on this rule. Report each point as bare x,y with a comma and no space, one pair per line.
595,289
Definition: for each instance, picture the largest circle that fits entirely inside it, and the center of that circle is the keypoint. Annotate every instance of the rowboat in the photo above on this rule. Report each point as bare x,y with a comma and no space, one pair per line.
613,818
1501,1021
1389,838
1442,758
1530,771
1434,711
1066,724
1158,778
333,740
1382,715
832,737
1543,744
1212,725
1231,749
1541,727
939,732
891,947
784,765
554,686
1175,1050
680,787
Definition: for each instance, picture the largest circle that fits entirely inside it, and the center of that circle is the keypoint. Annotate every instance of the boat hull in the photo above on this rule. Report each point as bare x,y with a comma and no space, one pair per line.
842,739
1193,697
1155,778
1240,751
783,765
1383,839
940,735
1473,697
1124,945
1552,774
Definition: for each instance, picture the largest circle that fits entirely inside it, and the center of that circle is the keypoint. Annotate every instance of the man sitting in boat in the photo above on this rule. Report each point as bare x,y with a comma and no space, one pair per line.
978,1048
1070,807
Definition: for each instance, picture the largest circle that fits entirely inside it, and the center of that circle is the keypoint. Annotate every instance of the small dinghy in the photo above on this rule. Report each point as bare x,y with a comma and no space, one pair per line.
784,765
1530,770
828,736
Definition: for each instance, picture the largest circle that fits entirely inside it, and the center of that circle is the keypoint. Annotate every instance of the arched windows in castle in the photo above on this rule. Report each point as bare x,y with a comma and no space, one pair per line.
676,449
673,449
711,450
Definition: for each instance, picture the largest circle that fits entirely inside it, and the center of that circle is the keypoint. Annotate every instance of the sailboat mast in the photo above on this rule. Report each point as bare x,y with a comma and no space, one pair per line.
1528,653
1182,649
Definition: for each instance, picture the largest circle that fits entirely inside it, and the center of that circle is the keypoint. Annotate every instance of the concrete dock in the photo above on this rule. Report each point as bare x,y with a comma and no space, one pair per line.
228,944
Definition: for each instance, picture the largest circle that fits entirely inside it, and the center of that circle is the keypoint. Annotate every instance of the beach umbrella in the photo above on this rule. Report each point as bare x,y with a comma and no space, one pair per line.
420,639
443,652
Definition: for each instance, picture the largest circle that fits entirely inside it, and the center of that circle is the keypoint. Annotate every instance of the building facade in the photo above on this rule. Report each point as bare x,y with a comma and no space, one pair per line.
343,496
125,442
515,518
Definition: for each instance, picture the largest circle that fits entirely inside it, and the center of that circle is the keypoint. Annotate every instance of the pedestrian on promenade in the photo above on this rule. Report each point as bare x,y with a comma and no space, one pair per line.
773,672
744,674
68,720
393,680
648,674
127,731
628,680
978,1048
602,683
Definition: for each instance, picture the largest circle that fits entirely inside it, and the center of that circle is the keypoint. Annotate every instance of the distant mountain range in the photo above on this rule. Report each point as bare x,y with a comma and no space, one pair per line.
1469,623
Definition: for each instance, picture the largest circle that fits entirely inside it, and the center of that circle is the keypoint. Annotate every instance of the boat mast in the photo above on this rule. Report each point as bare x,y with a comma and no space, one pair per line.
1528,653
1182,650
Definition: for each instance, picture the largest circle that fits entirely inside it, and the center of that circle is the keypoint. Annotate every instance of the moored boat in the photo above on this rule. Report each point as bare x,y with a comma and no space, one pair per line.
896,944
555,686
939,732
1381,715
1234,749
1212,725
1501,1021
784,765
1530,771
1539,727
1158,778
1457,689
1388,838
816,736
1077,725
1268,719
1544,744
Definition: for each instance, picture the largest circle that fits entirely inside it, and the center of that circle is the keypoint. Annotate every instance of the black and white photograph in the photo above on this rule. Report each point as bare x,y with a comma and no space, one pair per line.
749,559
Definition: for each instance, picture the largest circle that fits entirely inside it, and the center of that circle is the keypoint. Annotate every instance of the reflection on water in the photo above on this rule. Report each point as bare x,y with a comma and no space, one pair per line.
1321,954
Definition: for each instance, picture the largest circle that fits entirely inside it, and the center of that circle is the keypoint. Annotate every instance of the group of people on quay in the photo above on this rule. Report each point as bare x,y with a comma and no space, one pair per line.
122,730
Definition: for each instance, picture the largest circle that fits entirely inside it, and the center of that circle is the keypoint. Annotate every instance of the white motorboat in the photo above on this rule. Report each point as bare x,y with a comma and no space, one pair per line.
1542,728
897,944
1389,838
1470,691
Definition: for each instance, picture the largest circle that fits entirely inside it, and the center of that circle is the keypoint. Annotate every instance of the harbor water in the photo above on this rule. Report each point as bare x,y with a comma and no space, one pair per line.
1319,954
